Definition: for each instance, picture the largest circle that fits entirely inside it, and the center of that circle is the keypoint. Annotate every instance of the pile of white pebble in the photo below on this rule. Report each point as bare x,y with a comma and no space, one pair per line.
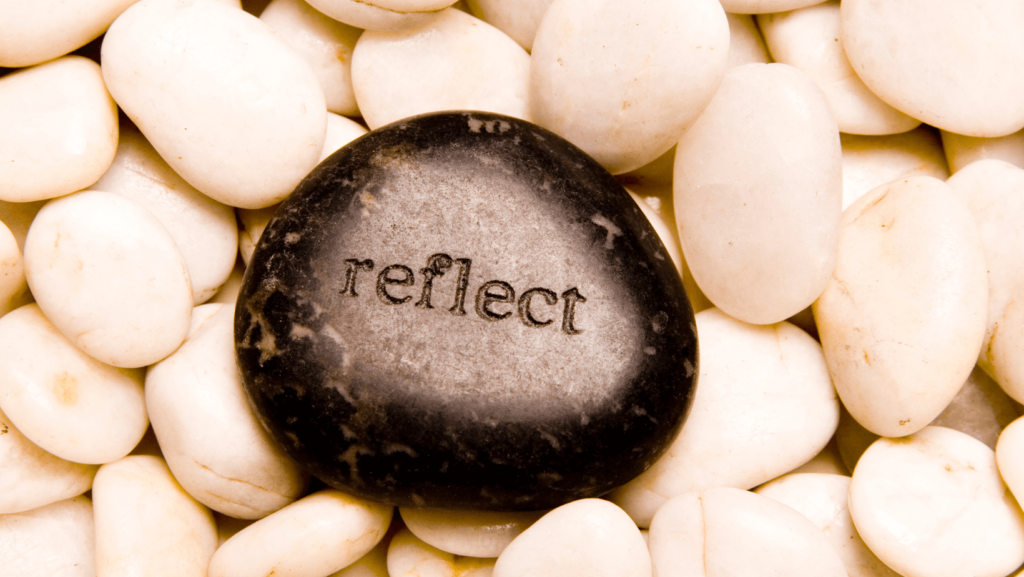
851,215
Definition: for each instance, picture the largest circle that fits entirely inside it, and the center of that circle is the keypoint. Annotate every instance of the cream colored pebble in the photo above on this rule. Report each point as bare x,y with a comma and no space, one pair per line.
809,39
203,229
146,524
456,62
409,556
30,477
962,151
59,129
324,43
933,505
746,45
209,435
77,246
233,110
759,235
314,536
41,30
823,500
382,14
589,537
871,161
63,400
903,317
727,531
764,406
517,18
623,81
57,540
468,533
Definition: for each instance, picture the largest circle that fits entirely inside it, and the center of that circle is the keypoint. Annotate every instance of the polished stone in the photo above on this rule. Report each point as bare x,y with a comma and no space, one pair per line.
462,310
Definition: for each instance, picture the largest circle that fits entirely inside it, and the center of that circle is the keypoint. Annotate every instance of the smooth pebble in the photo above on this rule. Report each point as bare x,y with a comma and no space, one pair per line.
933,505
468,533
77,245
589,537
59,129
768,387
409,556
964,150
903,317
382,14
871,161
760,234
234,110
623,80
517,18
57,540
41,30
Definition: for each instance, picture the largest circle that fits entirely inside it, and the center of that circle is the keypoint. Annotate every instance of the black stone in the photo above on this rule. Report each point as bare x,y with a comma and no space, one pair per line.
463,310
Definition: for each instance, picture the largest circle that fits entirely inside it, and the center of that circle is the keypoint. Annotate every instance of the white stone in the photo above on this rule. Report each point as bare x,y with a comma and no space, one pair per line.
314,536
871,161
764,406
456,62
324,43
1010,457
146,524
382,14
746,45
732,532
517,18
230,107
809,39
1005,347
110,277
623,80
30,477
903,317
950,64
209,435
468,533
59,129
964,150
63,400
203,229
823,500
408,556
57,540
589,537
758,193
13,286
933,505
41,30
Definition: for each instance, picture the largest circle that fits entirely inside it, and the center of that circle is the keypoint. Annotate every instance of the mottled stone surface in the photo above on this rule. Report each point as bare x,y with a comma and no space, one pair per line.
462,310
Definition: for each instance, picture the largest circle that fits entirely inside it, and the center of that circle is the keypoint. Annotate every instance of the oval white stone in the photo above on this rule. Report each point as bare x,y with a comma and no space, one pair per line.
589,537
456,62
382,14
408,556
316,535
623,80
903,317
110,277
55,540
41,30
933,505
63,400
59,129
230,107
30,477
468,533
733,532
758,193
871,161
948,63
769,388
212,441
146,524
203,229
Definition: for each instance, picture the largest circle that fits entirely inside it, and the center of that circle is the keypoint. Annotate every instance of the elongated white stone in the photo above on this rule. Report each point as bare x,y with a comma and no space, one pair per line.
769,388
316,535
871,161
588,537
230,107
382,14
468,533
59,129
903,317
409,556
78,244
933,505
41,30
623,80
456,62
212,441
58,540
758,193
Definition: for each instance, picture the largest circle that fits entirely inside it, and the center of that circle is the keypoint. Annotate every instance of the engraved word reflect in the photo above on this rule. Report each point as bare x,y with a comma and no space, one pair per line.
489,296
